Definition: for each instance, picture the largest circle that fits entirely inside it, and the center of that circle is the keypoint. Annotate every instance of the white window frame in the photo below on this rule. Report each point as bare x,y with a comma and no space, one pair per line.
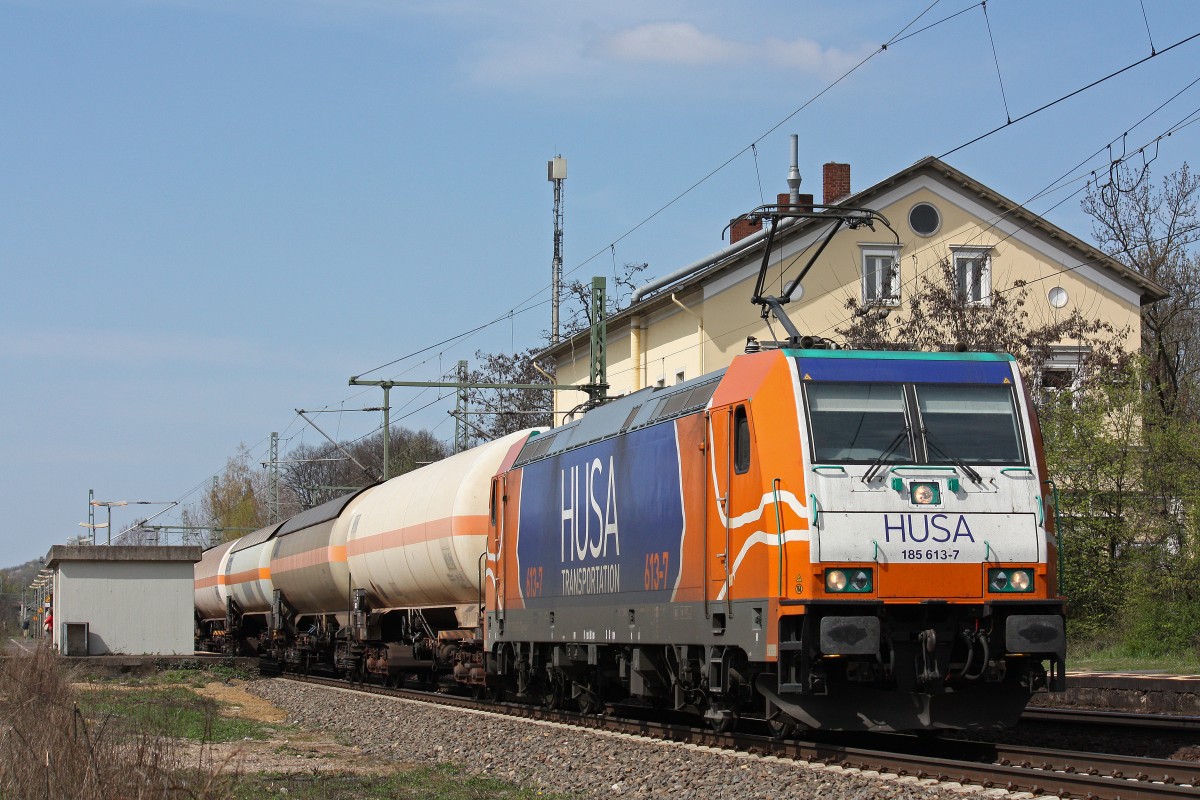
872,287
982,256
1063,358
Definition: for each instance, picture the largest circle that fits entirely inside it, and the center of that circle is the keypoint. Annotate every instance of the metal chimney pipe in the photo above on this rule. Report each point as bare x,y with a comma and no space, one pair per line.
793,178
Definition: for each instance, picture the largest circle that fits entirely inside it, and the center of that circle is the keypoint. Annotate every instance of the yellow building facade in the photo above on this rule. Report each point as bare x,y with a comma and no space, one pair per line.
696,319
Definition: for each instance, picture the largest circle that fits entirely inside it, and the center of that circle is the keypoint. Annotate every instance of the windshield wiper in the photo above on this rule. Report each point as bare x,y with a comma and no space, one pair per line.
878,463
958,462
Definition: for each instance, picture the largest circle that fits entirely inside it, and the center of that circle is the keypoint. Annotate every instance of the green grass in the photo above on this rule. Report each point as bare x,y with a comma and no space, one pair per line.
173,711
1116,658
442,782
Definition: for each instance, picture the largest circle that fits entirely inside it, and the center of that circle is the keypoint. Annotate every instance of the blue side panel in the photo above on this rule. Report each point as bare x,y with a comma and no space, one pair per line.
911,370
603,519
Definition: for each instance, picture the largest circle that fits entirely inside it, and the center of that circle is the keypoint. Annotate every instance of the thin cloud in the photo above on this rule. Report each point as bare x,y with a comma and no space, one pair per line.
670,43
585,51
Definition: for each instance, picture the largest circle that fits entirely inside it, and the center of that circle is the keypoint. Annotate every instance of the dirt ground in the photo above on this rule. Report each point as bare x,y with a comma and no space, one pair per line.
294,750
291,750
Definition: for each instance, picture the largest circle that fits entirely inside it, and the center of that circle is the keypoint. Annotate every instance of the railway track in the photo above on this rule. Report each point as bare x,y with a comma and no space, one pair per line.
1019,769
1113,719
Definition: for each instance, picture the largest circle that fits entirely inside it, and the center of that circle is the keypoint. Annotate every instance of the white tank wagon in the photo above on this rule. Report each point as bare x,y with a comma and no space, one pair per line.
308,559
210,583
417,541
212,600
384,581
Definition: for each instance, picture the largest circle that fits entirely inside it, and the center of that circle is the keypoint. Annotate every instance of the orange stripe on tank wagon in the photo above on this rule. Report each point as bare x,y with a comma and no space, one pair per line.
310,558
249,576
211,580
467,525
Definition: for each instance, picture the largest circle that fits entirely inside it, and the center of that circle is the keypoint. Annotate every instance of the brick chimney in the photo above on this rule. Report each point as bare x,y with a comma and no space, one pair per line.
806,201
836,183
742,227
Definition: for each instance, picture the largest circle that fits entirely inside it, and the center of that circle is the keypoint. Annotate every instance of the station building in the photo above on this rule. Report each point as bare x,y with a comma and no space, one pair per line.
122,600
696,319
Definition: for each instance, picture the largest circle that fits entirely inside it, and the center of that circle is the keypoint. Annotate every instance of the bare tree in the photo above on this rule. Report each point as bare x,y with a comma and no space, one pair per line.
500,412
316,474
236,499
1154,231
618,294
508,410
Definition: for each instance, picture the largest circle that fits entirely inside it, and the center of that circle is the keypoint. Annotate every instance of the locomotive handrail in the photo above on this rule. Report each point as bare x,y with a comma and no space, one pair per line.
929,468
814,512
1041,511
1007,470
839,467
779,532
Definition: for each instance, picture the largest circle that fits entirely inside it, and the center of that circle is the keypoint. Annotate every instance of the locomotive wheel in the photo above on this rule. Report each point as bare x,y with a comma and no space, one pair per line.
781,726
554,692
588,700
723,722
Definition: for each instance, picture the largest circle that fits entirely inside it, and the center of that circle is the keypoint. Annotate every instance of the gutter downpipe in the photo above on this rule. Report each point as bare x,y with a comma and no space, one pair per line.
699,328
635,349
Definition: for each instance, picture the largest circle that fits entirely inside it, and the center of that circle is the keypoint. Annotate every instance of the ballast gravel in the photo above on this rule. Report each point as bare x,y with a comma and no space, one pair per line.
574,761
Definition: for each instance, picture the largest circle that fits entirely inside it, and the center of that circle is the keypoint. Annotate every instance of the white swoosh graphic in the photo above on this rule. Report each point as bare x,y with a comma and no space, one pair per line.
760,537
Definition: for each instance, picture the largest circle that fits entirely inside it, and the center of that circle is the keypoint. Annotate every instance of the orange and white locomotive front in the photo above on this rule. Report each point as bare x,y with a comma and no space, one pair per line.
931,551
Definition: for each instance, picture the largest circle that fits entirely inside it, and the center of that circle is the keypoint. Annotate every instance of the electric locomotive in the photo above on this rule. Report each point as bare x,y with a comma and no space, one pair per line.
828,538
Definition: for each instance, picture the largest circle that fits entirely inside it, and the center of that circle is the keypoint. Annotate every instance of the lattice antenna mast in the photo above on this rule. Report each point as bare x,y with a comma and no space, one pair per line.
556,173
273,510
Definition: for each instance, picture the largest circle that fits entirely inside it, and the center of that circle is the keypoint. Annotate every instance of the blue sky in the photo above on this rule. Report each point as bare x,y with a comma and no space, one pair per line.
215,212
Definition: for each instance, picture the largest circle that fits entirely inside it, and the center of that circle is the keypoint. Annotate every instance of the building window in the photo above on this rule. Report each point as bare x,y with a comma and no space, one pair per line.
679,377
924,219
881,276
973,275
1060,373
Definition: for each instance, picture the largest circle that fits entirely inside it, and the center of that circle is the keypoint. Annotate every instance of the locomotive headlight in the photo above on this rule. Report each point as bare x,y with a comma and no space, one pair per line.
1010,580
925,494
857,581
835,580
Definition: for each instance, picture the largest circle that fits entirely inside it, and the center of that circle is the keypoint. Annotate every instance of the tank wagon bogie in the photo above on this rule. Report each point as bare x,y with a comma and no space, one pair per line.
833,539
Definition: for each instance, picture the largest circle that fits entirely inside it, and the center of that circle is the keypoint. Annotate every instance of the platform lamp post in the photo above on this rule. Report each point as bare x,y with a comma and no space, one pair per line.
91,526
110,503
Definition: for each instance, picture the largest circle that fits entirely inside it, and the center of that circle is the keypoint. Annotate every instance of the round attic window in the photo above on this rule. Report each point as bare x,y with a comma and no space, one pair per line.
1057,297
924,219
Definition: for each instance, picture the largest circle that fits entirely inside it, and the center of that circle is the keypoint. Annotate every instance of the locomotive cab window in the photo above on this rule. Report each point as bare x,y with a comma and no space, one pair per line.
858,422
975,424
894,423
741,441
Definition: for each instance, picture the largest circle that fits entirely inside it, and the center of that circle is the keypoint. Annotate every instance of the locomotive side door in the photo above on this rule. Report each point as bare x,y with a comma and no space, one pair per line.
496,509
733,495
